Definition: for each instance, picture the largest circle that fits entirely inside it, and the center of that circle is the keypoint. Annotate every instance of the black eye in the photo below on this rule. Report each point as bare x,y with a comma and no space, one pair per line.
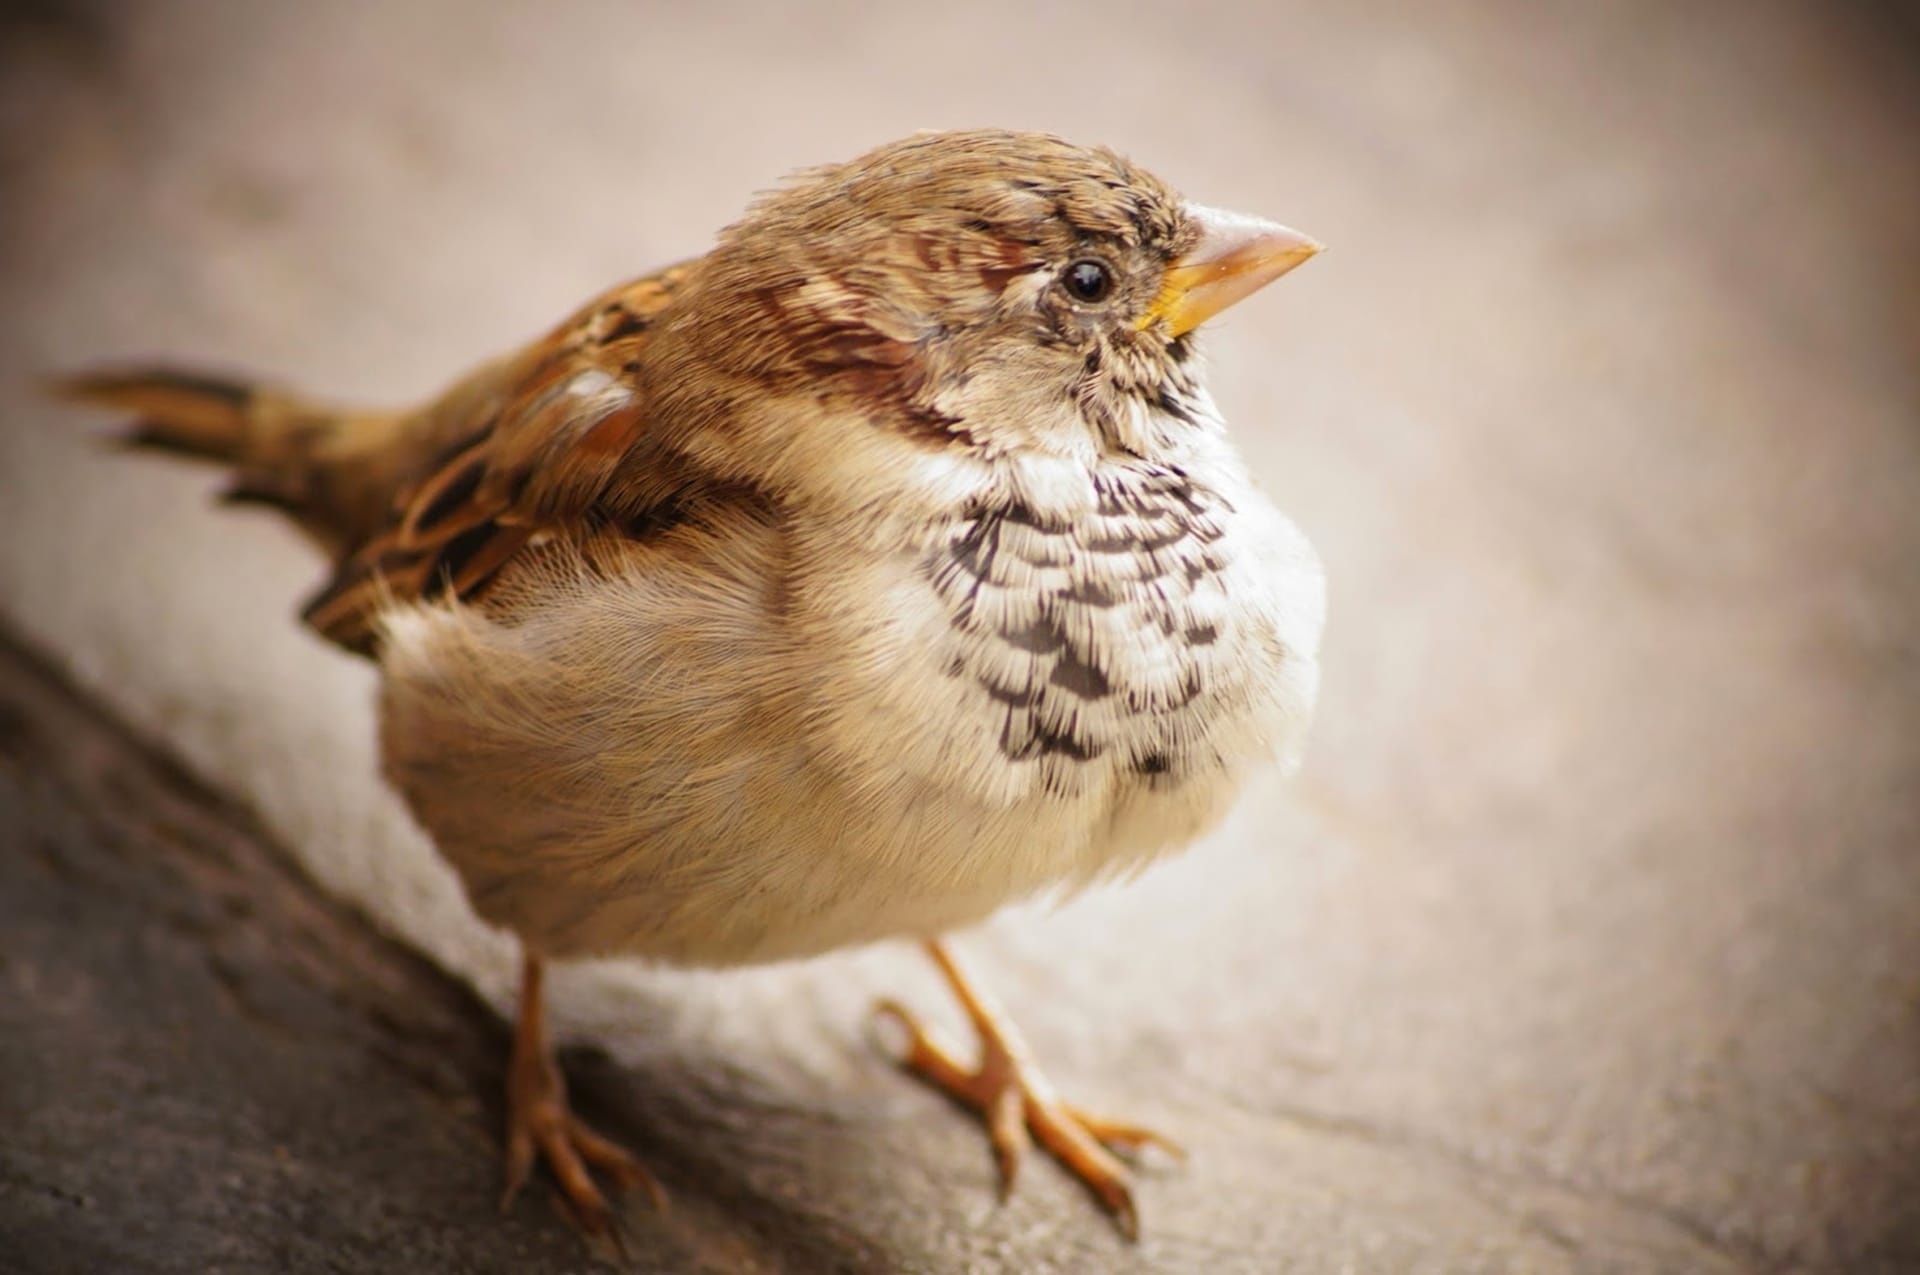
1088,281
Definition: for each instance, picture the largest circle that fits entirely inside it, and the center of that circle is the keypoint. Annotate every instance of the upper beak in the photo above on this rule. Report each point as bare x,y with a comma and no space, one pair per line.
1237,255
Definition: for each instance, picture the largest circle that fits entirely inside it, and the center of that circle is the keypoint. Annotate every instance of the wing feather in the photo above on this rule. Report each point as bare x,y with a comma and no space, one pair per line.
534,442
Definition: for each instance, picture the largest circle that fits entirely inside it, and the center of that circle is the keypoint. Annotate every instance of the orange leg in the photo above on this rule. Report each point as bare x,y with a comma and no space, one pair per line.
539,1121
1018,1103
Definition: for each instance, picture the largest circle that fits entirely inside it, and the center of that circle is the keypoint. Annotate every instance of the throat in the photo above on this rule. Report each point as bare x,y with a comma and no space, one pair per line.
1156,416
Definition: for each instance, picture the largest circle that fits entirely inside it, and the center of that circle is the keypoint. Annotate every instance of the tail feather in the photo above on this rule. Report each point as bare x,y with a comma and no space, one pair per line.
185,412
325,468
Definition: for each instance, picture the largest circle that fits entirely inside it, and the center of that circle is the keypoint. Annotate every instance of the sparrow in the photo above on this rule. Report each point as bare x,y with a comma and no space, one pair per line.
885,565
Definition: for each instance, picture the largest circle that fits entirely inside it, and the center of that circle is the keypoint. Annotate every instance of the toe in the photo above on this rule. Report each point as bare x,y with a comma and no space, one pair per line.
615,1161
519,1164
1121,1136
1006,1115
1077,1149
930,1060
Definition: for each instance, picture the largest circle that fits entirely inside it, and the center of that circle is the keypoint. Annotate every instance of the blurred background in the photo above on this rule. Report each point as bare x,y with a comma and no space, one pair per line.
1589,937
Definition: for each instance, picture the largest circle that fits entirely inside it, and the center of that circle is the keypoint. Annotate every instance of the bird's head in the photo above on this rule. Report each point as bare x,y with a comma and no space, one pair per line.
989,290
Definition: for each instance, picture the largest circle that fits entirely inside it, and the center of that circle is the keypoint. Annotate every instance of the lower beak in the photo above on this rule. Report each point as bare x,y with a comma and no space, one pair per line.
1237,255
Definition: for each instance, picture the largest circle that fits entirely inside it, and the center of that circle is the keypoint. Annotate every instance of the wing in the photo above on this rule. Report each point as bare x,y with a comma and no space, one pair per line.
531,444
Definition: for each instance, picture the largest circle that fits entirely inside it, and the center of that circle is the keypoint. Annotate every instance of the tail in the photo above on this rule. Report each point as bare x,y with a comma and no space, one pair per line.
331,471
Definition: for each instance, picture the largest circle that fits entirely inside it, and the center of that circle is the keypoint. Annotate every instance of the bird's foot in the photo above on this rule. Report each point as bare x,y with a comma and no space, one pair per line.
1019,1105
541,1125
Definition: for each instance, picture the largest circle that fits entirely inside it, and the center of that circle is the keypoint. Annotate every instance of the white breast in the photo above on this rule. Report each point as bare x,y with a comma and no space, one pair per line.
762,743
1112,657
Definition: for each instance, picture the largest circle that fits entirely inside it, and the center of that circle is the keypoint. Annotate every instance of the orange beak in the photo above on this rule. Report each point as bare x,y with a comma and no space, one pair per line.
1237,256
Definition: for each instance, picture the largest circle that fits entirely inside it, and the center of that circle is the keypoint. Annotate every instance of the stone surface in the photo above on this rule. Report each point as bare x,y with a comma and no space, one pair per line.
1589,938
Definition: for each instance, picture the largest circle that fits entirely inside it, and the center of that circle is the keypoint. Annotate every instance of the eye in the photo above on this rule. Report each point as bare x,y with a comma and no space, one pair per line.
1088,281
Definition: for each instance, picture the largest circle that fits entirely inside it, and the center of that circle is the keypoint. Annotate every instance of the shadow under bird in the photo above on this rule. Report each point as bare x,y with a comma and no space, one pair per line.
885,565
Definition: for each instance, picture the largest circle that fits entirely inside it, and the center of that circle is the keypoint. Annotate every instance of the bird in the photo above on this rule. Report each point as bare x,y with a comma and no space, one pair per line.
884,565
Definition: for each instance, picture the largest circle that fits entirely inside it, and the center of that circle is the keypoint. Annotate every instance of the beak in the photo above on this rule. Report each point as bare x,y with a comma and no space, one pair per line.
1237,255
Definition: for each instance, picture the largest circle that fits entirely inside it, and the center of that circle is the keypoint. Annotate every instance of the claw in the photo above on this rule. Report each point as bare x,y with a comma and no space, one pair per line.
1018,1104
541,1125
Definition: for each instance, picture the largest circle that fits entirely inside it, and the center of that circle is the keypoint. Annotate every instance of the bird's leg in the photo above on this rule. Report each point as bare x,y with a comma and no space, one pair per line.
540,1121
1016,1100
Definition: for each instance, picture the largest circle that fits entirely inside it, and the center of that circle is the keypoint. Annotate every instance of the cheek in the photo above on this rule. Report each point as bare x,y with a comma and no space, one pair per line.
1021,394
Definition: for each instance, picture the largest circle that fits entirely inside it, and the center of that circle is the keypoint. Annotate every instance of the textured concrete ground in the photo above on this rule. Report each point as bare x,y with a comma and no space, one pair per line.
1589,939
